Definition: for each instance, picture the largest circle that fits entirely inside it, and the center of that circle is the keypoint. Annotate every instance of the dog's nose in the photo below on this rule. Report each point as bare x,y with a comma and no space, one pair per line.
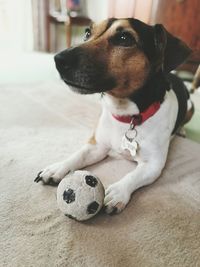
60,61
68,59
63,63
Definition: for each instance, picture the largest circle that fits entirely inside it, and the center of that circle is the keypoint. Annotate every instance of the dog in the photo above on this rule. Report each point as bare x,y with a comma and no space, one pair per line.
196,81
144,105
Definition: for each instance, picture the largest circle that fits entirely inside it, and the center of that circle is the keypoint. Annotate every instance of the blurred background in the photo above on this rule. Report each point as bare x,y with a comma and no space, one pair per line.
31,32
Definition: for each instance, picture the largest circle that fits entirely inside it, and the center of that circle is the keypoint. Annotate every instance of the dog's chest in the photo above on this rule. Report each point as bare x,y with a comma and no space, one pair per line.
121,145
112,132
150,135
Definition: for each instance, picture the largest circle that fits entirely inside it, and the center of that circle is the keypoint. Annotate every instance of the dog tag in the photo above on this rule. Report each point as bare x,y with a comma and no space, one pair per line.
129,143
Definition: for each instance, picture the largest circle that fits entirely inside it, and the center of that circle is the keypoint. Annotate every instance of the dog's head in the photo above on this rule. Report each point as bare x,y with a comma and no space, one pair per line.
119,56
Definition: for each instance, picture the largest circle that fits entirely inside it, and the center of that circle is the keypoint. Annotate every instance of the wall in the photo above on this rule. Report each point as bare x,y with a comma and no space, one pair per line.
16,25
97,10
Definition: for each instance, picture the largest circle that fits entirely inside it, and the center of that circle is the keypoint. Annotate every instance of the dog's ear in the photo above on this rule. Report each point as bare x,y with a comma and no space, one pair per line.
170,51
161,47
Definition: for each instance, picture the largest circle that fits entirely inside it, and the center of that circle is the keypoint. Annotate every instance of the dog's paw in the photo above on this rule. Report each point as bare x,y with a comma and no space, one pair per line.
116,198
53,174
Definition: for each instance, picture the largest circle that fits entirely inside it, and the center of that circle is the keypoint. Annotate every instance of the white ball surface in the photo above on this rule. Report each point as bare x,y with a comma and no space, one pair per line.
80,195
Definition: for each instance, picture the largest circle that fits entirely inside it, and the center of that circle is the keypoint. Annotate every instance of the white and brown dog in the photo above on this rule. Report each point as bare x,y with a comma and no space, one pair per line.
143,105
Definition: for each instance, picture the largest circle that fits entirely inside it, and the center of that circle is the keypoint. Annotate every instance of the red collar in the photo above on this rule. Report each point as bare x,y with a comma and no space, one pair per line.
141,117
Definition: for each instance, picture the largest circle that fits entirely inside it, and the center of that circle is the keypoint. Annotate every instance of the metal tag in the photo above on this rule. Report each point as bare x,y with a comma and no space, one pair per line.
129,144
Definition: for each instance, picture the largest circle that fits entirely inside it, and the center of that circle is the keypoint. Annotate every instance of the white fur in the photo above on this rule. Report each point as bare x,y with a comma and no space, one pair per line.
189,104
153,137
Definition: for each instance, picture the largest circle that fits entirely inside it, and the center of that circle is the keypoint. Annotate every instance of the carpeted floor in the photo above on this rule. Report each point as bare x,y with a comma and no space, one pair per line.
44,123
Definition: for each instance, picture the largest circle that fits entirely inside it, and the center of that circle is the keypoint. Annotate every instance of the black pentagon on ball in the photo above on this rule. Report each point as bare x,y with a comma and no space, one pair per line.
69,196
93,207
91,180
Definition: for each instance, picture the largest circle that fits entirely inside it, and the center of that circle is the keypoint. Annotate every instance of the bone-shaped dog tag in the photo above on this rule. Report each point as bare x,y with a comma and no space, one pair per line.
129,144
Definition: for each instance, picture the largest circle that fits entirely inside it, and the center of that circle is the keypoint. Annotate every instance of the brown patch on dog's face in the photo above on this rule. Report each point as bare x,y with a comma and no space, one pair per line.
128,65
109,61
126,62
118,56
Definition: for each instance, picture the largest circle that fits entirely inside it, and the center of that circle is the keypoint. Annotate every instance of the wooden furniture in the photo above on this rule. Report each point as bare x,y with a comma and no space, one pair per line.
181,17
58,14
75,21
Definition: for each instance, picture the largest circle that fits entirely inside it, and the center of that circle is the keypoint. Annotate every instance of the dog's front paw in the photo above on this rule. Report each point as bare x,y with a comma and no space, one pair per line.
53,174
116,198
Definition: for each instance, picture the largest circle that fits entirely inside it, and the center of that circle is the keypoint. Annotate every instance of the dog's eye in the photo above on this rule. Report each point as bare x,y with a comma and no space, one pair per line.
123,39
87,34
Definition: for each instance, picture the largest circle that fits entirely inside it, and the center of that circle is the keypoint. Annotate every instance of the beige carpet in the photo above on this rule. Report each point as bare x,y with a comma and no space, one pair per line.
44,123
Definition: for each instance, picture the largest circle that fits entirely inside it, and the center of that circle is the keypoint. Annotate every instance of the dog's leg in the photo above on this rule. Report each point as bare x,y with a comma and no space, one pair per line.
87,155
119,193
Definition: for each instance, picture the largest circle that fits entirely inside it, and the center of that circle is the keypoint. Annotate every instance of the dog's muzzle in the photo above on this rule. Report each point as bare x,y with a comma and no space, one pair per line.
79,69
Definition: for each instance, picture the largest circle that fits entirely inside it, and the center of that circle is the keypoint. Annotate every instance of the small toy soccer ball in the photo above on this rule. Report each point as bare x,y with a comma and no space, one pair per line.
80,195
